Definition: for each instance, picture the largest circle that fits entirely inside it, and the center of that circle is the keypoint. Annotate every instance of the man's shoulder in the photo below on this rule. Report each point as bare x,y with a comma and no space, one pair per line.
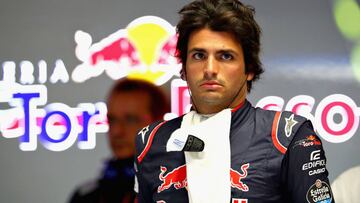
284,126
286,119
155,131
158,127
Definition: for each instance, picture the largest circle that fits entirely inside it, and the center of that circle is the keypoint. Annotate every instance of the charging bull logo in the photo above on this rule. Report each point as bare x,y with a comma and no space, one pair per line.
176,177
145,49
236,177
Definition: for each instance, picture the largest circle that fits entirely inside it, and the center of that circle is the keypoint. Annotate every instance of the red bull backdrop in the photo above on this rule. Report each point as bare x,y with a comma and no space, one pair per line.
58,61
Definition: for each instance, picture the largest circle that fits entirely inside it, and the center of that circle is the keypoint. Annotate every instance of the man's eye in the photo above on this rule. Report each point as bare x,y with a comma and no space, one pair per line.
198,56
226,56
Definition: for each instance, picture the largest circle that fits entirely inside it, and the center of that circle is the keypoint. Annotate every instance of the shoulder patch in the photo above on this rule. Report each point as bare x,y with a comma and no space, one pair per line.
147,135
285,125
289,124
143,132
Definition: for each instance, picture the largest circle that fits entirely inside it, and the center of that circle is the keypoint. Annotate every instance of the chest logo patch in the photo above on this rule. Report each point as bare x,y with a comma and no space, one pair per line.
176,177
236,178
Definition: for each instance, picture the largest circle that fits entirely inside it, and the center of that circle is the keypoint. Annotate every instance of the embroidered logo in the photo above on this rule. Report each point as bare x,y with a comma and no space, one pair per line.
290,123
319,192
143,132
176,177
236,177
310,140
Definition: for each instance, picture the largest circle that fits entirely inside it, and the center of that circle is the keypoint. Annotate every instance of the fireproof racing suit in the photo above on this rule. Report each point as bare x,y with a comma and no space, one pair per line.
275,157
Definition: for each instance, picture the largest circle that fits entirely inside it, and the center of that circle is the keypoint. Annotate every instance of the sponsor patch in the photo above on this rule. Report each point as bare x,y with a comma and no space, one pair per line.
143,132
313,164
315,155
319,192
290,123
176,177
310,140
236,178
316,165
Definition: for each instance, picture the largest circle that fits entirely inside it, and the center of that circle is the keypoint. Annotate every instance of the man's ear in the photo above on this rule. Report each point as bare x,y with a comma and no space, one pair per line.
183,73
249,76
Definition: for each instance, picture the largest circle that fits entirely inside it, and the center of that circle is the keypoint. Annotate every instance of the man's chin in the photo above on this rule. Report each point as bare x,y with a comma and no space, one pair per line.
123,155
213,100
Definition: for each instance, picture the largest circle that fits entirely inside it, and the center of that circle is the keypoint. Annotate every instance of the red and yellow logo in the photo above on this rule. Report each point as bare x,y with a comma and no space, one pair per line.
144,50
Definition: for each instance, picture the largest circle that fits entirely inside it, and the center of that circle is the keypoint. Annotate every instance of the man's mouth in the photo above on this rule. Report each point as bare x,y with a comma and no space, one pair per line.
210,84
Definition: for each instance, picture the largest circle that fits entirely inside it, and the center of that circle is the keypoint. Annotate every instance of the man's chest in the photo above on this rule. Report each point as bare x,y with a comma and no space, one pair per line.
254,172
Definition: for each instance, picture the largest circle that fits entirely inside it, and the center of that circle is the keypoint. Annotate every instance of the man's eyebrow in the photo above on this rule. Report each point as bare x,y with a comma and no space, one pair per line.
228,51
196,50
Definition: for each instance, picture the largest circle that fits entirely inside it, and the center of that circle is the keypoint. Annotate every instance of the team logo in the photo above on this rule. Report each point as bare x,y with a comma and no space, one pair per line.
319,192
236,178
176,177
310,140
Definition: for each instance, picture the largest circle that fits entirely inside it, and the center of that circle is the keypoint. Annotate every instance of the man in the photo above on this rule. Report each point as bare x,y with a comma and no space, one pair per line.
225,150
131,104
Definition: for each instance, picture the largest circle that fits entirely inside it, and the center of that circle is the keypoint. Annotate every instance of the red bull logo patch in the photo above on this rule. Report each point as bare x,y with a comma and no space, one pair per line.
145,49
236,178
176,177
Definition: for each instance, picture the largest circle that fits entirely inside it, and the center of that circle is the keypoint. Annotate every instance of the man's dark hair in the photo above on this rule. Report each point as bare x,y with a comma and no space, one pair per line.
159,104
222,16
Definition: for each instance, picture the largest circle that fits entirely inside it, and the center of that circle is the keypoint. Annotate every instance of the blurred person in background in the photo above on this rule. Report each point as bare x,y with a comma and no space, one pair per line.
131,105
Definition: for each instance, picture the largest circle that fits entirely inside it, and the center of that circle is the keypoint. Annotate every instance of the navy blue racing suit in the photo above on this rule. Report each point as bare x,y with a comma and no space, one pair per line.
275,157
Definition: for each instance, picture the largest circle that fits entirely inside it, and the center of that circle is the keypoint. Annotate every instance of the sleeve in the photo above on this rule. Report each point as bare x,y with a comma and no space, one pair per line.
304,172
141,187
143,194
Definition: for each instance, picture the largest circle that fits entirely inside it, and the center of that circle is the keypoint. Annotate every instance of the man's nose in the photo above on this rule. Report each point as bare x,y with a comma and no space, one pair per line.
211,67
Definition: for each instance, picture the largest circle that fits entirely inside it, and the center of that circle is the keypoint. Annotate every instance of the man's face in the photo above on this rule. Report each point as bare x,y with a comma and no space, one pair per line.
128,112
215,71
